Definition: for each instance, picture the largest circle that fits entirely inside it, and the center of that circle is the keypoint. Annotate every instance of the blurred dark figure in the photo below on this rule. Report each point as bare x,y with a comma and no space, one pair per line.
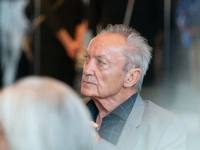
147,18
56,34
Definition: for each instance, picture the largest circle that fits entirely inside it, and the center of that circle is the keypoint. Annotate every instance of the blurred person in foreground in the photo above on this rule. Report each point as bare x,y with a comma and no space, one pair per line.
43,114
116,62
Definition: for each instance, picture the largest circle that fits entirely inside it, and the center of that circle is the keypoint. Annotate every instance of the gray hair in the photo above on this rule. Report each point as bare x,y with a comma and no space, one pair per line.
137,51
41,113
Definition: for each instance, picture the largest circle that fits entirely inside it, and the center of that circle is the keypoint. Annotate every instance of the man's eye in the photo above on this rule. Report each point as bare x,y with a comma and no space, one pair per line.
86,57
101,62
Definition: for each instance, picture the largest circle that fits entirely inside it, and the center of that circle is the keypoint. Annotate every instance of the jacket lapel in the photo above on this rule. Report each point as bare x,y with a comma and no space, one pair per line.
130,132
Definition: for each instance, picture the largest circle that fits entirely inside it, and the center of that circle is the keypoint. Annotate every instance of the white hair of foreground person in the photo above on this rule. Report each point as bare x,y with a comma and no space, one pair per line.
41,113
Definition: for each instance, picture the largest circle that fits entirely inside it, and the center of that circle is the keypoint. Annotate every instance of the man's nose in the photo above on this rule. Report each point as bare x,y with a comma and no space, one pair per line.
89,68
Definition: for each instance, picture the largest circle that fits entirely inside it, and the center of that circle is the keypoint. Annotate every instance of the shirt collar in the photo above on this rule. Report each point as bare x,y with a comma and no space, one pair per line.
122,111
125,108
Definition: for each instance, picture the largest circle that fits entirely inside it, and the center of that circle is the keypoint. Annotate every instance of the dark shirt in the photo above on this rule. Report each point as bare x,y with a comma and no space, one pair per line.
113,123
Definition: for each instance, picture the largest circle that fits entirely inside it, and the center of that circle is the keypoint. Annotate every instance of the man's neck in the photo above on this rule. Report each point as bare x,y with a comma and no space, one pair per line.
107,105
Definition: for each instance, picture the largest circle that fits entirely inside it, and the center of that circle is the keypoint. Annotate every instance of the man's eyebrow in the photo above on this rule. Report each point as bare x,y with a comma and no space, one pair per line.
97,56
101,56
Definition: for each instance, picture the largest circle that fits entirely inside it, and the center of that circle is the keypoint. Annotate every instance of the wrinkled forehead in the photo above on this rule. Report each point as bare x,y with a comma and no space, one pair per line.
107,42
111,39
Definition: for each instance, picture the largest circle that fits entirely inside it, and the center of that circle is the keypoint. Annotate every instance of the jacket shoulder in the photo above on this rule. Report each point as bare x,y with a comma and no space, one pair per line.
159,117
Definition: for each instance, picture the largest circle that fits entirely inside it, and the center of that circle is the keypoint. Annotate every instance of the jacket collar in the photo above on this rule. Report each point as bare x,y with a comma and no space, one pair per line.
131,130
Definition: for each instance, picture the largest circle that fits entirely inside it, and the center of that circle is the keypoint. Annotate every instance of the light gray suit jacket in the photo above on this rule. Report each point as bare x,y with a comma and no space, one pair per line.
148,127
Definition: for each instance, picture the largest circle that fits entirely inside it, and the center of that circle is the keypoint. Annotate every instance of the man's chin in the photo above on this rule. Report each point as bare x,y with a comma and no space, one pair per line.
86,92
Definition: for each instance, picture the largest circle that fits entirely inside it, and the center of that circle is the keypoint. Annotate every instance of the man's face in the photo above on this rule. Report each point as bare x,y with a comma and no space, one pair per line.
103,75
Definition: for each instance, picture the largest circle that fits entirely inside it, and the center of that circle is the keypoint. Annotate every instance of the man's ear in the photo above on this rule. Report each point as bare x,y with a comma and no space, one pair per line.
132,76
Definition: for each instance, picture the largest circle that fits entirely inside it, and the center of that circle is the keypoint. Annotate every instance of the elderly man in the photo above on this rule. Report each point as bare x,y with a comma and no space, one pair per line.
116,62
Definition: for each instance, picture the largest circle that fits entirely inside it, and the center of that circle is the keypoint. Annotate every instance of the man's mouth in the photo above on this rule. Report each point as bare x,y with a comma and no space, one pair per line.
88,82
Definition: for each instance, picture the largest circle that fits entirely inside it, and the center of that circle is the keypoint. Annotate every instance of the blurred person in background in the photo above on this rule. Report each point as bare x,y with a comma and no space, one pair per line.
56,34
188,23
43,114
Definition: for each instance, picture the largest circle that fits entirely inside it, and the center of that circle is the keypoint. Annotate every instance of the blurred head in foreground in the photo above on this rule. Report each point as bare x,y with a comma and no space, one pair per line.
43,114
